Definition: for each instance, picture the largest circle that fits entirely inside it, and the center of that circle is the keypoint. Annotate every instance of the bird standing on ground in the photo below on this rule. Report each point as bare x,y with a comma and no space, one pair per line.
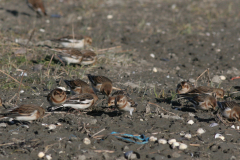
57,97
37,6
230,110
101,84
26,112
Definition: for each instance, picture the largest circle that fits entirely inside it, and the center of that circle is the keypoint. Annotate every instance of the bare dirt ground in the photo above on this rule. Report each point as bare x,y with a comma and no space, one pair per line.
154,45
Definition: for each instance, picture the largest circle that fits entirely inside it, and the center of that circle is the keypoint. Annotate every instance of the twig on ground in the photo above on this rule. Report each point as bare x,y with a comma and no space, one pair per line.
49,64
106,151
201,76
161,108
116,88
98,132
11,77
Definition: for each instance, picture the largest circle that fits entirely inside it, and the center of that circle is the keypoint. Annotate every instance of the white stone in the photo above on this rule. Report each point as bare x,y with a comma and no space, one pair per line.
86,141
109,16
154,69
188,136
182,146
222,78
52,127
48,157
162,141
200,131
41,154
175,144
152,55
190,122
171,141
153,139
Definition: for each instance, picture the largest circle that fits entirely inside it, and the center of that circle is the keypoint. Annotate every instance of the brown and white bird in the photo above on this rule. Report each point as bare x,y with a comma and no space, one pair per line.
184,87
81,101
57,97
69,55
125,103
71,41
78,86
26,112
89,57
101,84
207,90
230,110
37,6
201,101
111,99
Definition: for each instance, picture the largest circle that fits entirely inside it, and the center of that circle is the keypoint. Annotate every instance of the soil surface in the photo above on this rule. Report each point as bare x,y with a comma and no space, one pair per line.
144,46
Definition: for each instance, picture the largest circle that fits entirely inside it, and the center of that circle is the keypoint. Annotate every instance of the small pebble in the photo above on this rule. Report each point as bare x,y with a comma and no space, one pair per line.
109,16
153,139
3,125
152,55
154,69
182,133
86,141
182,146
233,127
200,131
188,136
48,157
190,122
171,141
162,141
52,127
42,30
222,77
41,154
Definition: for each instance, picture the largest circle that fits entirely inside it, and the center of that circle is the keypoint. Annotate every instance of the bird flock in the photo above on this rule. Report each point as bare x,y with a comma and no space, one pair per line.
84,96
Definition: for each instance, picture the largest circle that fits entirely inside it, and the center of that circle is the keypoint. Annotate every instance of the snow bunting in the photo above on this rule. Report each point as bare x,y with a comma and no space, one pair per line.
78,86
69,55
230,110
184,87
125,103
37,6
57,97
74,41
89,57
201,101
207,90
101,84
81,101
26,112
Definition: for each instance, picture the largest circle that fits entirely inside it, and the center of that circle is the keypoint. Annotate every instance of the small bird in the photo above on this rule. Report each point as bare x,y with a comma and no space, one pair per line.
71,41
26,112
57,97
69,55
81,101
37,6
78,86
230,110
101,84
111,100
89,57
207,90
184,87
201,101
125,103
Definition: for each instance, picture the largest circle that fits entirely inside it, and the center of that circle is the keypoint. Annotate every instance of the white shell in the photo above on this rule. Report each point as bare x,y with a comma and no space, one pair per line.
175,144
171,141
152,55
109,16
153,139
213,124
182,146
162,141
237,127
190,122
200,131
87,141
52,127
41,154
222,77
48,157
154,69
188,136
220,136
233,127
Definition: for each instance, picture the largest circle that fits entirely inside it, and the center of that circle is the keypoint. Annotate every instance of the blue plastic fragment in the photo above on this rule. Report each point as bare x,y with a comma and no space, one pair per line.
141,138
